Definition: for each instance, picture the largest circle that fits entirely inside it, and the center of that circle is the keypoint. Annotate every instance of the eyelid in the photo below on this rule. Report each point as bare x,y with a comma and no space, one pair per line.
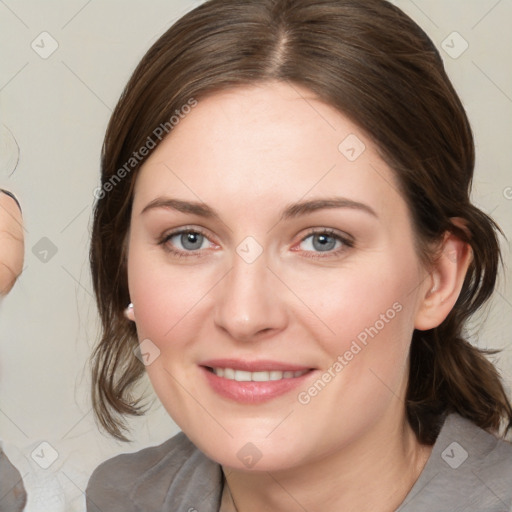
185,229
340,235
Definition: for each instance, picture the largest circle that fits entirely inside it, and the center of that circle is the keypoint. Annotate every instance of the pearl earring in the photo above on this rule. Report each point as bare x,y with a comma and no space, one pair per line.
128,312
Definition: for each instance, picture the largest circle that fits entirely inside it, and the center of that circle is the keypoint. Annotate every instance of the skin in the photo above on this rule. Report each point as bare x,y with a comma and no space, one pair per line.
11,265
248,153
11,243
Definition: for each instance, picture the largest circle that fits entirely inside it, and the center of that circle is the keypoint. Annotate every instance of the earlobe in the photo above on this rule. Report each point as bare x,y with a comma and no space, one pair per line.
129,312
444,283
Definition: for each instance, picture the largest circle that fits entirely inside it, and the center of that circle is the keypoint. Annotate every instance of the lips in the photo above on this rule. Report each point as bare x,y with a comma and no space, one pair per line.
253,381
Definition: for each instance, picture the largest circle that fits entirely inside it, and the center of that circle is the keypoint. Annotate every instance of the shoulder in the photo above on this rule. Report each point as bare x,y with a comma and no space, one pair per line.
171,476
477,449
469,469
123,470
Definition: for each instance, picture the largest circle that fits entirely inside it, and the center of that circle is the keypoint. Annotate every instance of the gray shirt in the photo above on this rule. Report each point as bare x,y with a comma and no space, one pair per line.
468,470
12,493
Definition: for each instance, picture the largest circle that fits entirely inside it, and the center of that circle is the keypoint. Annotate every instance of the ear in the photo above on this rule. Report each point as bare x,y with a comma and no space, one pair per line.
444,282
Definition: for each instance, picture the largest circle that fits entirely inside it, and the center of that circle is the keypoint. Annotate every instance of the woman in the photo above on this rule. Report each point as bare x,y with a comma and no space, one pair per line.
284,240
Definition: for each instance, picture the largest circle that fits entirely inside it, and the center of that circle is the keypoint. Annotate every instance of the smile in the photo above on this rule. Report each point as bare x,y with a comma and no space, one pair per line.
253,382
260,376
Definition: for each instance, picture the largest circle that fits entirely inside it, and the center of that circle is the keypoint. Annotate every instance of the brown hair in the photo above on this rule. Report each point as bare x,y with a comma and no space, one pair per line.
370,61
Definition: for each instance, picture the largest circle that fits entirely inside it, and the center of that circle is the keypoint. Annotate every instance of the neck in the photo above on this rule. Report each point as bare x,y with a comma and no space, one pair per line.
374,473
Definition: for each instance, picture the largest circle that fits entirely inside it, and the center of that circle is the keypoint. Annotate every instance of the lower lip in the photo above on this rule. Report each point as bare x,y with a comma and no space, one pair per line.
250,392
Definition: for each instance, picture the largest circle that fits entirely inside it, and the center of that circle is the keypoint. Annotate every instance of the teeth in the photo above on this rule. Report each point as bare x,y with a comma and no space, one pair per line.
261,376
244,376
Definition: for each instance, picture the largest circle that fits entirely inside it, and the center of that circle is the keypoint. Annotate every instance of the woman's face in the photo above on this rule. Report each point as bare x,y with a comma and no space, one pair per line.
275,283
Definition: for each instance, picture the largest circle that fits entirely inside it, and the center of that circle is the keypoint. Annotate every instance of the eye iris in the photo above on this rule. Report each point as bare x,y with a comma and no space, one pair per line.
191,240
323,242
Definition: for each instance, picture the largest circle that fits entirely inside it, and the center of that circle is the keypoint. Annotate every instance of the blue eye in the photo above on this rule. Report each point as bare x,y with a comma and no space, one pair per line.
325,241
321,242
187,242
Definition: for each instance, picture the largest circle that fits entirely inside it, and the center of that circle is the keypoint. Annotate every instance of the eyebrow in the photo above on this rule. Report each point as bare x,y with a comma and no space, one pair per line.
305,207
291,211
194,207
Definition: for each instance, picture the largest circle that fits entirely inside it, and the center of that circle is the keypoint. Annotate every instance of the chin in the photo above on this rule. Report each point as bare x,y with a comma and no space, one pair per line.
250,453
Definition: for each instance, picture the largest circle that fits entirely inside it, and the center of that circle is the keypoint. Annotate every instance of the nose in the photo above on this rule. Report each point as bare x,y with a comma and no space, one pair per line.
249,302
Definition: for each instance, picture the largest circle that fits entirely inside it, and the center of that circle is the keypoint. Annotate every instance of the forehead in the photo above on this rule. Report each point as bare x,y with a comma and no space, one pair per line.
273,142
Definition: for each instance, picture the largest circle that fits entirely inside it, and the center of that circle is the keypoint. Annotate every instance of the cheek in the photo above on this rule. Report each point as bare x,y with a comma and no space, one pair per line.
365,358
164,295
167,300
367,317
356,300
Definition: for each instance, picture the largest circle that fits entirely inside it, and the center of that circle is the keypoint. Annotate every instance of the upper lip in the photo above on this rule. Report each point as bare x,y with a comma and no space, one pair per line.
254,366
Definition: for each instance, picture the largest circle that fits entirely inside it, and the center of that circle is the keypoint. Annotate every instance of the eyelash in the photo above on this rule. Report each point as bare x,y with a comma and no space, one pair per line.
347,243
178,253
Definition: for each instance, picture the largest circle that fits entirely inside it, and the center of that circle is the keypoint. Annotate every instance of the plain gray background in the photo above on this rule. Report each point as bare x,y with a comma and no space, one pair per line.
56,109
